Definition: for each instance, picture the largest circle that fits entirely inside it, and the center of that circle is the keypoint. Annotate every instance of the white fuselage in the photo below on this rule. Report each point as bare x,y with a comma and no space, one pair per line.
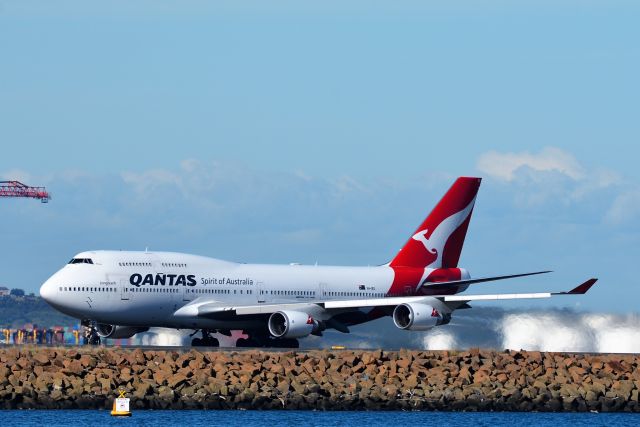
147,288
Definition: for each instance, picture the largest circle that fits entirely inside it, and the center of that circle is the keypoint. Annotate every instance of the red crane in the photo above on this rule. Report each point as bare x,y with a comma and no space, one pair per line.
18,189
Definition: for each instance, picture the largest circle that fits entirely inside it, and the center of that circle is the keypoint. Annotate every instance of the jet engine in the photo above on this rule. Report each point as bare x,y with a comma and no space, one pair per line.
418,317
292,324
117,332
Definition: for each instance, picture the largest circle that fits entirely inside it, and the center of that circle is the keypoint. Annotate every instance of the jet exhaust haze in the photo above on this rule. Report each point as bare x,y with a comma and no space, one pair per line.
494,328
560,330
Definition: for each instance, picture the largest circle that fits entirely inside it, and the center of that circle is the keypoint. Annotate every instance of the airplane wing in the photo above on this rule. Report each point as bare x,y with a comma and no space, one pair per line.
379,302
579,290
208,308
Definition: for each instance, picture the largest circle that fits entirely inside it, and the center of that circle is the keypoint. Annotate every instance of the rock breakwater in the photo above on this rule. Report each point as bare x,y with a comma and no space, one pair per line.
476,380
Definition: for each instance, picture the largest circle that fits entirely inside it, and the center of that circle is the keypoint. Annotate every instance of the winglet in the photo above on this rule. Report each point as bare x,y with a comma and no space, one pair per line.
582,289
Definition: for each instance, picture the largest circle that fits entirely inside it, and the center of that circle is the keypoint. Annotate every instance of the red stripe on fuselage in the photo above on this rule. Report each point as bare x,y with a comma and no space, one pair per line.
405,281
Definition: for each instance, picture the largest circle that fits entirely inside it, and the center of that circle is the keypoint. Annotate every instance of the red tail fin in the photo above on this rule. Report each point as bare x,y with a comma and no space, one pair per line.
437,243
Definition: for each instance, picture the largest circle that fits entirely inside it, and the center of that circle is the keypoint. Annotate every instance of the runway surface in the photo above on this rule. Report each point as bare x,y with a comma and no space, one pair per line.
280,350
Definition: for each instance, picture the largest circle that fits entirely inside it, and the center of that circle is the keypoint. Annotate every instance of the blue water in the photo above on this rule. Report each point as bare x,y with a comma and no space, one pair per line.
74,418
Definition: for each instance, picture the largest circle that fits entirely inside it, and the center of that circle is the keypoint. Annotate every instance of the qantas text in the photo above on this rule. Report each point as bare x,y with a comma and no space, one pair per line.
163,279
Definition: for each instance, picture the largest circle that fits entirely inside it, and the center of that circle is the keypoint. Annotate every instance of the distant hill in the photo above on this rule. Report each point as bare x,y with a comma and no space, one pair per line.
16,311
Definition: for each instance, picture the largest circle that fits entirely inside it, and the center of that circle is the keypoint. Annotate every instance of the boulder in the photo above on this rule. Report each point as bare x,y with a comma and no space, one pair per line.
73,367
41,358
481,376
87,361
176,380
141,389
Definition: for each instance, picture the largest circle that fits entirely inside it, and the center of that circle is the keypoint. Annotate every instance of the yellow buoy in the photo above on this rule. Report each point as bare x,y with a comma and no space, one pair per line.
121,406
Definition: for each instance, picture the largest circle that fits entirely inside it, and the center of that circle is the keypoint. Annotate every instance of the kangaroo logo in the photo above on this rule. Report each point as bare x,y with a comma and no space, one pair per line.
421,236
434,244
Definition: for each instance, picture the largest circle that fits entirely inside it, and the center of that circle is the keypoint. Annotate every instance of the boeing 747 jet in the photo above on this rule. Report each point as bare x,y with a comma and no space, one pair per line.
121,293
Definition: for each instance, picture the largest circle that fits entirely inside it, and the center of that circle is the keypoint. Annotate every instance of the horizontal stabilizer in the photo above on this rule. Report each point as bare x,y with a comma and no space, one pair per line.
483,279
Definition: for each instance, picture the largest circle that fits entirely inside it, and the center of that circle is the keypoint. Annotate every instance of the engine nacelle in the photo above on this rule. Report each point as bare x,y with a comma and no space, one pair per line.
118,332
418,317
291,324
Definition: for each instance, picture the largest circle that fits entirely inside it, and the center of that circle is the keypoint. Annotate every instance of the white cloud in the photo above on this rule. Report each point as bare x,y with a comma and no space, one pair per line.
346,184
149,180
553,178
18,175
625,208
189,165
505,166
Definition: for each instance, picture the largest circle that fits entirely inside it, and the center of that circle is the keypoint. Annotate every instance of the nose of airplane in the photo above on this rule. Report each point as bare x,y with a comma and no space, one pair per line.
47,290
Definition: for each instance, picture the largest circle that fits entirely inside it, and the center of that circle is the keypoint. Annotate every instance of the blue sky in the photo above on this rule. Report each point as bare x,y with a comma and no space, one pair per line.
325,132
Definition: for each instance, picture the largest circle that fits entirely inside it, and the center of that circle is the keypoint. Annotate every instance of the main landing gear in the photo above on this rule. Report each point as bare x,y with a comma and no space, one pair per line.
206,340
260,341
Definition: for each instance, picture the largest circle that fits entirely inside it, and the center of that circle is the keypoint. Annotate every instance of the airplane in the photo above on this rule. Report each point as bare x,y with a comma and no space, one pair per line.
121,293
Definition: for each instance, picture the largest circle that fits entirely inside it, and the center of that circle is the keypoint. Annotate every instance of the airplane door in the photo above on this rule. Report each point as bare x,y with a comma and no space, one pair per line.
187,293
322,291
125,292
262,294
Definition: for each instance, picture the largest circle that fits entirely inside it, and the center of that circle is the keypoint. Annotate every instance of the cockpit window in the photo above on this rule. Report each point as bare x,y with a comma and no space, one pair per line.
81,261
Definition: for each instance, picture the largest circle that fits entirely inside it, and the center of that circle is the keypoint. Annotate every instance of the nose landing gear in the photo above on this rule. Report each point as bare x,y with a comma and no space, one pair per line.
90,333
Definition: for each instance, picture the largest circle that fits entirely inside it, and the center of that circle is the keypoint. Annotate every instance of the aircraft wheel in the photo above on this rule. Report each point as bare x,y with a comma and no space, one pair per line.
196,342
94,338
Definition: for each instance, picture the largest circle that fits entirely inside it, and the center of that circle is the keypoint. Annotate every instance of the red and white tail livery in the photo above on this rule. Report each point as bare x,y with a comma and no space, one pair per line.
437,243
121,293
